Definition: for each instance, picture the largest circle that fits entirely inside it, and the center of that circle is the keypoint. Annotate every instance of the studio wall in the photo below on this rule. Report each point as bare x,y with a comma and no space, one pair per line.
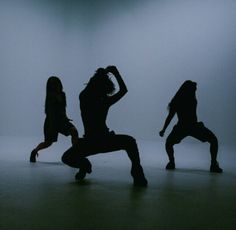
156,45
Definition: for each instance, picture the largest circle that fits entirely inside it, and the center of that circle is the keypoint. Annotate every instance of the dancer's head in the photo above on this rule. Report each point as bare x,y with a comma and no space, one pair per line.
186,93
187,88
54,85
100,84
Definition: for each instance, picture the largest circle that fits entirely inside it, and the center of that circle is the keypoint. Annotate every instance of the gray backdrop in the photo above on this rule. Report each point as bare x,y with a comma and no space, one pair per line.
155,44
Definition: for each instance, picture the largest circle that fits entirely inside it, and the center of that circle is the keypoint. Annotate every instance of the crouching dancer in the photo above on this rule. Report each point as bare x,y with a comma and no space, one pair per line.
95,101
184,104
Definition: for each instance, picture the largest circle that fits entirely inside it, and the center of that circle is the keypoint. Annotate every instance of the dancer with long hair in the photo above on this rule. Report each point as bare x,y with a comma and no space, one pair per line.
95,102
56,120
184,104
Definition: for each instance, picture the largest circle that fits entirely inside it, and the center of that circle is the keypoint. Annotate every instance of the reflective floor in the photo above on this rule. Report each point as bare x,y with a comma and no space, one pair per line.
45,195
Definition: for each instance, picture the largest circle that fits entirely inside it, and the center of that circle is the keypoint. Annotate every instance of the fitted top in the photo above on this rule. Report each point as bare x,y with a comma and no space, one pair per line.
94,113
55,106
186,112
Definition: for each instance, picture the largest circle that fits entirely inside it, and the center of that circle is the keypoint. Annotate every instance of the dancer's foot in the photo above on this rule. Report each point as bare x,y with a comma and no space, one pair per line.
215,168
80,175
85,167
33,155
138,176
170,166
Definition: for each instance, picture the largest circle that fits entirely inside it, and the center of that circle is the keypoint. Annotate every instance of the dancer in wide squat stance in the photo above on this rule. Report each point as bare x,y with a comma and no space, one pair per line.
56,119
95,101
184,104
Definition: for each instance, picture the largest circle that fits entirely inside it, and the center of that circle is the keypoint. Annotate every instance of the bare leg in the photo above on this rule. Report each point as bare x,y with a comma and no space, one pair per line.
74,135
214,150
42,145
204,134
130,145
170,153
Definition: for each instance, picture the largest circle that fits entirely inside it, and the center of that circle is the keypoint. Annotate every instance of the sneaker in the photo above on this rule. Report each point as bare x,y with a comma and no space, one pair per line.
85,167
170,166
80,175
138,176
33,155
215,168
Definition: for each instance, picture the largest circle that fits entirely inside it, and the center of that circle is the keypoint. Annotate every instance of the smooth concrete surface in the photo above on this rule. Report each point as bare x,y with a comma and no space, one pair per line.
45,195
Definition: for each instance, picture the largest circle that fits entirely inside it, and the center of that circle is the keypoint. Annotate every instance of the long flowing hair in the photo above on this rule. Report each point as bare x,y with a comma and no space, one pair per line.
184,95
53,83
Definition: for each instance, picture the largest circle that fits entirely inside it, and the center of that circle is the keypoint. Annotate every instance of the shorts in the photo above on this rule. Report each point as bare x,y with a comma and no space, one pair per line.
197,130
52,129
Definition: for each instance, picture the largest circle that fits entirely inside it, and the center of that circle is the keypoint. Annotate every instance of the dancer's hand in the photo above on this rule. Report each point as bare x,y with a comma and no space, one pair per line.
112,69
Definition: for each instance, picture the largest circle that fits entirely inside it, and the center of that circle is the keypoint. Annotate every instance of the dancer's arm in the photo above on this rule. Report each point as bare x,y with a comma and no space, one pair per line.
167,121
122,87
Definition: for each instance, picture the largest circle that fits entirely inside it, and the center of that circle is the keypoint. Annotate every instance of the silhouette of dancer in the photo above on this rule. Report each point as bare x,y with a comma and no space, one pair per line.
95,101
184,104
56,119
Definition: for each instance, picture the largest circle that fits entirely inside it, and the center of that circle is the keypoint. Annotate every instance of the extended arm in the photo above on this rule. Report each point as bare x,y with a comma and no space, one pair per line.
122,87
167,122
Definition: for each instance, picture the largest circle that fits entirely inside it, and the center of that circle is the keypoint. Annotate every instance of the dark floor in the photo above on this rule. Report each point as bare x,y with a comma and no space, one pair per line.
45,195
